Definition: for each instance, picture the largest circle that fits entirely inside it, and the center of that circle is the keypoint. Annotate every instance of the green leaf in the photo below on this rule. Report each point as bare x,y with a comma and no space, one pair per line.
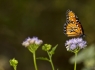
53,50
43,58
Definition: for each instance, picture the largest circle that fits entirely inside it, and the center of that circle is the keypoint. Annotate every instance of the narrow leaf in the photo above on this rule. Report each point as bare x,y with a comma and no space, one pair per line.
53,50
43,58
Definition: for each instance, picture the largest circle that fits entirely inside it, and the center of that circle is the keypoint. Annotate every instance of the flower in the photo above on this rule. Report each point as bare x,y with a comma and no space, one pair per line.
75,43
30,41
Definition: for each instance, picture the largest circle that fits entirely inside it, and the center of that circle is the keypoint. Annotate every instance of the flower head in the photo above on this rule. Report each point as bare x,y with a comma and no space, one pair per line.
30,41
75,43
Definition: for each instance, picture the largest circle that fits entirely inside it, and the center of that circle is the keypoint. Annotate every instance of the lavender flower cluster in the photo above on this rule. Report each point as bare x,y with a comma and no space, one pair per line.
33,40
74,43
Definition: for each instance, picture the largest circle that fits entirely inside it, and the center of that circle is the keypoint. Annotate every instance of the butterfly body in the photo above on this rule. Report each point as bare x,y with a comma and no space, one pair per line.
73,27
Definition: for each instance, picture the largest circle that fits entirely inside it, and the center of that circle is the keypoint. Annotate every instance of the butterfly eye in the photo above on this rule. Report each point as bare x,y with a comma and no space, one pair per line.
72,27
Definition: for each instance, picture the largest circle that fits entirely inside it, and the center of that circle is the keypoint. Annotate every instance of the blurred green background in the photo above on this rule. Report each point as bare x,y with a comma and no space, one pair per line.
20,19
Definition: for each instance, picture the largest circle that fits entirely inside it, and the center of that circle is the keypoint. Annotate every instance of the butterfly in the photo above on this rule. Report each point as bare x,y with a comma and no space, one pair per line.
73,27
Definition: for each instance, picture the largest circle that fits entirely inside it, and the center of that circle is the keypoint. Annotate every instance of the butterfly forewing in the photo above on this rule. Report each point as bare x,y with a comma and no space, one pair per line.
72,27
70,16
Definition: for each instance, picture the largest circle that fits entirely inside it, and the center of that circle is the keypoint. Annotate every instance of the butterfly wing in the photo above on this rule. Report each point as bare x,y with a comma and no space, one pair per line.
72,27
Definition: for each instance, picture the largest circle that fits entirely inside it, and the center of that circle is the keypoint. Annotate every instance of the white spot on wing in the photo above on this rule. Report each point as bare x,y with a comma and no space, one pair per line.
76,20
77,25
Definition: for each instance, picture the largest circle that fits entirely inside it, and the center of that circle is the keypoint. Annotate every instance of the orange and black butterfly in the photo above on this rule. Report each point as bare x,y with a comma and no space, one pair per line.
73,27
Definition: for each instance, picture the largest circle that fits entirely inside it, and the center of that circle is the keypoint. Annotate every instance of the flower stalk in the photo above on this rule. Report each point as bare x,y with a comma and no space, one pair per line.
50,51
75,61
52,65
74,45
33,44
34,59
50,60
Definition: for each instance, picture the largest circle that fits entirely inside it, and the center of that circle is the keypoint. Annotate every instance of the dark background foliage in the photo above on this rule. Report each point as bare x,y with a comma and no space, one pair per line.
20,19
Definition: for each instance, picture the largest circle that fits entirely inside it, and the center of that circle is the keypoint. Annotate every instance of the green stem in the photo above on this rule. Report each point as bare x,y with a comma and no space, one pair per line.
75,61
50,57
34,59
14,67
52,63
